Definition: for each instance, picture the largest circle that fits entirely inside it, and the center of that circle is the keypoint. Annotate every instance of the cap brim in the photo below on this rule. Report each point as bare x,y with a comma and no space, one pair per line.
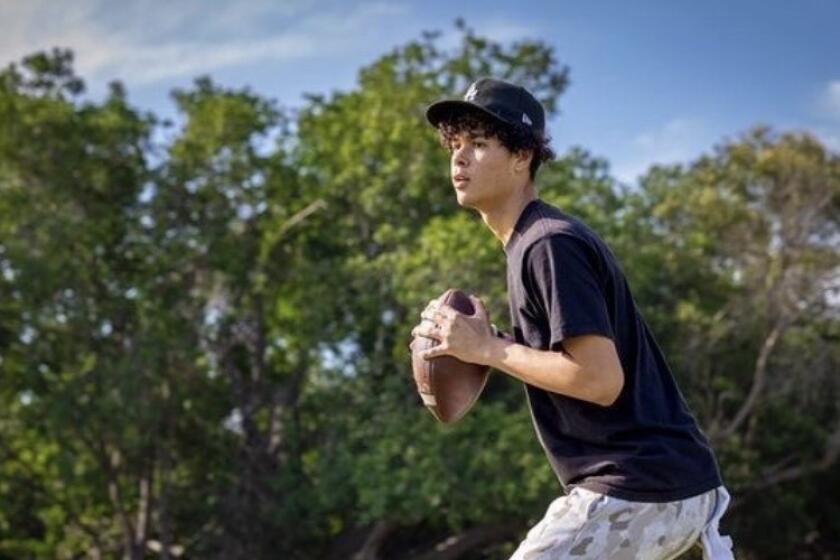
444,110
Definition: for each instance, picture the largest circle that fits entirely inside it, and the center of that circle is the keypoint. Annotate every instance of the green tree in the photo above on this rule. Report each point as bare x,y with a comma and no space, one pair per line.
744,258
397,239
203,339
76,404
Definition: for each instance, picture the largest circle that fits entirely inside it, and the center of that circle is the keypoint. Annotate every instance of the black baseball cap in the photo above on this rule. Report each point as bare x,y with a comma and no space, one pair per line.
504,101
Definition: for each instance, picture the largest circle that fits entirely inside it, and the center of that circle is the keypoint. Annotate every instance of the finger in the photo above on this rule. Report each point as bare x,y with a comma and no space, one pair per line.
429,315
435,351
439,316
422,327
447,311
480,310
427,330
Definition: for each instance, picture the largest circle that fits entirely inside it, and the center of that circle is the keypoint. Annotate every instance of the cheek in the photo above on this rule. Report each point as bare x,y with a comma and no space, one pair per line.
488,162
496,169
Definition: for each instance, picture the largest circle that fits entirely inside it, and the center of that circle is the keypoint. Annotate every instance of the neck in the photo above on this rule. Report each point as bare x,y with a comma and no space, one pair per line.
501,218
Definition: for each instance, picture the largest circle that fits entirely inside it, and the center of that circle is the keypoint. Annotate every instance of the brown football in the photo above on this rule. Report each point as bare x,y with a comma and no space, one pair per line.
448,386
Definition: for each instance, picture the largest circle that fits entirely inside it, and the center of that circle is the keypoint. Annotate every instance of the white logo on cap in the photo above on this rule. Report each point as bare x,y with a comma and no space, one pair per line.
471,93
526,119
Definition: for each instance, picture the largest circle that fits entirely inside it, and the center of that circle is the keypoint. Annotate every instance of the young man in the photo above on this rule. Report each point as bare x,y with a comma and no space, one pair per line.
642,481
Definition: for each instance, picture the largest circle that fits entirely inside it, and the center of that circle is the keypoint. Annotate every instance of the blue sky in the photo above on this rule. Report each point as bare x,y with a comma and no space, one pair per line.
651,81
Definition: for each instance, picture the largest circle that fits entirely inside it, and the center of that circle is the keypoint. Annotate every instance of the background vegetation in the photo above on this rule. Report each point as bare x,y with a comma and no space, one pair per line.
204,324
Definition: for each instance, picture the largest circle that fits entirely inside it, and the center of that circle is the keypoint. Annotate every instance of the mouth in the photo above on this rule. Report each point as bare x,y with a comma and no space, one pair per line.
460,180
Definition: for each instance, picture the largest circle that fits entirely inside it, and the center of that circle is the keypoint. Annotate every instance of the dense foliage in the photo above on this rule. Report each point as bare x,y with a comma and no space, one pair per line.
204,326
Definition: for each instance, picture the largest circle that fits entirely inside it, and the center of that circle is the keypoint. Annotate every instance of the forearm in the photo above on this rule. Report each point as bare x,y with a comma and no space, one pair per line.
553,371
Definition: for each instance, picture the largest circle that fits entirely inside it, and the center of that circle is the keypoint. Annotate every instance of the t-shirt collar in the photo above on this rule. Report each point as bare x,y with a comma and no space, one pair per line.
529,209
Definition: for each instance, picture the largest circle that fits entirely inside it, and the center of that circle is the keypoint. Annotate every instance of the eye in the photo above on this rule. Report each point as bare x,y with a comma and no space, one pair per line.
480,144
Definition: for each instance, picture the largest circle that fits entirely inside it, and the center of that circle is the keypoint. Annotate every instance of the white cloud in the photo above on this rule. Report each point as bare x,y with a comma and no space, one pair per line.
39,24
830,100
144,41
827,111
831,138
678,140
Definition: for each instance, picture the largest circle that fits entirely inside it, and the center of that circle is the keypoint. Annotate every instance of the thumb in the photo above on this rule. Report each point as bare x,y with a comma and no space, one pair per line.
434,352
480,310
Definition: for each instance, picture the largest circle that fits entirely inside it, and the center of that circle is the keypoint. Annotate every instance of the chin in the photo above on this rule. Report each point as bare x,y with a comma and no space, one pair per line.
464,200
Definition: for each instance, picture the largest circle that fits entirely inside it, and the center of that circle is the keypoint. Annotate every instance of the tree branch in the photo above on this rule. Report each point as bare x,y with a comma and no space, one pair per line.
759,380
781,472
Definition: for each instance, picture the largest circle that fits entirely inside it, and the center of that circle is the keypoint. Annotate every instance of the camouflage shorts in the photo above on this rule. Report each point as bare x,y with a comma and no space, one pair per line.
586,524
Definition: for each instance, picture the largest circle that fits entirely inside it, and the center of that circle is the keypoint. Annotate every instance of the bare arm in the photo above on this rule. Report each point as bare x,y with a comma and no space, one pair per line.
589,369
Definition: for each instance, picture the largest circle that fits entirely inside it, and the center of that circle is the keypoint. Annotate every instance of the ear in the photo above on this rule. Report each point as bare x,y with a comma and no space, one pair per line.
522,160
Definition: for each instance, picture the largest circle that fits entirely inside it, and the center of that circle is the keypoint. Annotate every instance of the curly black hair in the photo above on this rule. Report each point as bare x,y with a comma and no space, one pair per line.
513,137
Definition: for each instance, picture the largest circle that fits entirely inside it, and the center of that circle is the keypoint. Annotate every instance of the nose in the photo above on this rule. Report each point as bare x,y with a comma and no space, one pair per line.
459,157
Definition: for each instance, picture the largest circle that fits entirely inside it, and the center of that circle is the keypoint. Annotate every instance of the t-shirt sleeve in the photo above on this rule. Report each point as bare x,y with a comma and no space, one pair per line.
565,288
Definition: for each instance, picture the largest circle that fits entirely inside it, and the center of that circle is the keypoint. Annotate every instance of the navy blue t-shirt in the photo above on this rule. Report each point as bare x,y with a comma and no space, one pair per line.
564,281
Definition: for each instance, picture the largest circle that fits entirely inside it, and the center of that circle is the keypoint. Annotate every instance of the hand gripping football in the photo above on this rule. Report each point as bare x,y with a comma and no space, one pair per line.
448,386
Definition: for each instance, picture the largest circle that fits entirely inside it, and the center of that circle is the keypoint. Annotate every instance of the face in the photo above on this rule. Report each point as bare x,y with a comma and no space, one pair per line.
484,173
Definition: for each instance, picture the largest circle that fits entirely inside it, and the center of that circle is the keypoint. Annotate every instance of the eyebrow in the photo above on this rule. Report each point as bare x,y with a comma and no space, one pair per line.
472,135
